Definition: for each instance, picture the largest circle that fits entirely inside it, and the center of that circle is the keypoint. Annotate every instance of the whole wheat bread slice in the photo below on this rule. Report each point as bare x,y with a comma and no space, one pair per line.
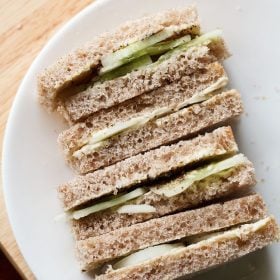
167,96
147,166
182,124
112,92
96,250
239,179
202,255
83,63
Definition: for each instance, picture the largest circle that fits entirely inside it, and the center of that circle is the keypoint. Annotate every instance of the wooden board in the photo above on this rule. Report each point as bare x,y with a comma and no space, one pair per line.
26,25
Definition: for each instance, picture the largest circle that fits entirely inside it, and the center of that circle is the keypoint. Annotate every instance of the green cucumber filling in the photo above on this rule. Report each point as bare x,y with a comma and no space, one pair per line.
141,59
147,254
193,242
114,201
157,46
139,48
174,188
127,203
137,63
98,139
202,40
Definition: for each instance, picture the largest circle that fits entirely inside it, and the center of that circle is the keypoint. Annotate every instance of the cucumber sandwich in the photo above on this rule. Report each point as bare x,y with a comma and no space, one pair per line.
130,217
109,52
160,190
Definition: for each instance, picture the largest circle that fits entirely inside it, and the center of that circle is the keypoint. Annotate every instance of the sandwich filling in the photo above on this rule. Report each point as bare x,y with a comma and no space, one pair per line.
158,251
172,189
99,138
126,203
157,44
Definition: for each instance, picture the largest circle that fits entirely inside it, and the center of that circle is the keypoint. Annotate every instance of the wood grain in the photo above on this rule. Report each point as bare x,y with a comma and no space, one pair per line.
26,25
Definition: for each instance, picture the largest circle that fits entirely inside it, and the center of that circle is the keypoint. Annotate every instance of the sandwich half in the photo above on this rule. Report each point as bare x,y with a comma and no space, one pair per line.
140,57
155,74
188,90
177,227
173,260
112,50
189,189
89,151
153,164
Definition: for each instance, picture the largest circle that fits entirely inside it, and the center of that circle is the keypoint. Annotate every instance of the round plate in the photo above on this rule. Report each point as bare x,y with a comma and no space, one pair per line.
33,165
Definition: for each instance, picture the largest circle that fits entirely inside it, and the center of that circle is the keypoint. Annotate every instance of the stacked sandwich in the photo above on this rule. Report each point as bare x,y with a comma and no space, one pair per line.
162,191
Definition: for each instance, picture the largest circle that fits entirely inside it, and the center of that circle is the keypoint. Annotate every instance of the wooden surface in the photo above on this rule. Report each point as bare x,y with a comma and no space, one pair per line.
7,271
26,25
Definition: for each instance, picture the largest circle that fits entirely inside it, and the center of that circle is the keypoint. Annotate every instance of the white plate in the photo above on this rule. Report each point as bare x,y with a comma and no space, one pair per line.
33,165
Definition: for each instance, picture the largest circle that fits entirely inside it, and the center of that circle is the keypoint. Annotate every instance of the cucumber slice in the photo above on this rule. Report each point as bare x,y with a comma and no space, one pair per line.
130,124
142,58
78,214
151,46
136,209
171,189
147,254
88,148
160,48
126,54
204,39
129,67
121,56
204,94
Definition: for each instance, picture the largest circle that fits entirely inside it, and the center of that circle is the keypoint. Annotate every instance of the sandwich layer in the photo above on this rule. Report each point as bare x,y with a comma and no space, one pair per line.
211,78
146,79
182,124
147,166
83,63
204,254
171,187
213,187
100,249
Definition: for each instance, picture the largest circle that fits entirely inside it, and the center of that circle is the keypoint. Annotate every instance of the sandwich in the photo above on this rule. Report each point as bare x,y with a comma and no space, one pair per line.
185,191
138,57
173,260
109,51
144,167
181,228
171,179
129,220
151,74
161,189
156,88
106,148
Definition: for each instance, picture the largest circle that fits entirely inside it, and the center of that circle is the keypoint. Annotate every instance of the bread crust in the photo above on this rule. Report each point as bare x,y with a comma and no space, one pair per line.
83,62
147,166
96,250
197,258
